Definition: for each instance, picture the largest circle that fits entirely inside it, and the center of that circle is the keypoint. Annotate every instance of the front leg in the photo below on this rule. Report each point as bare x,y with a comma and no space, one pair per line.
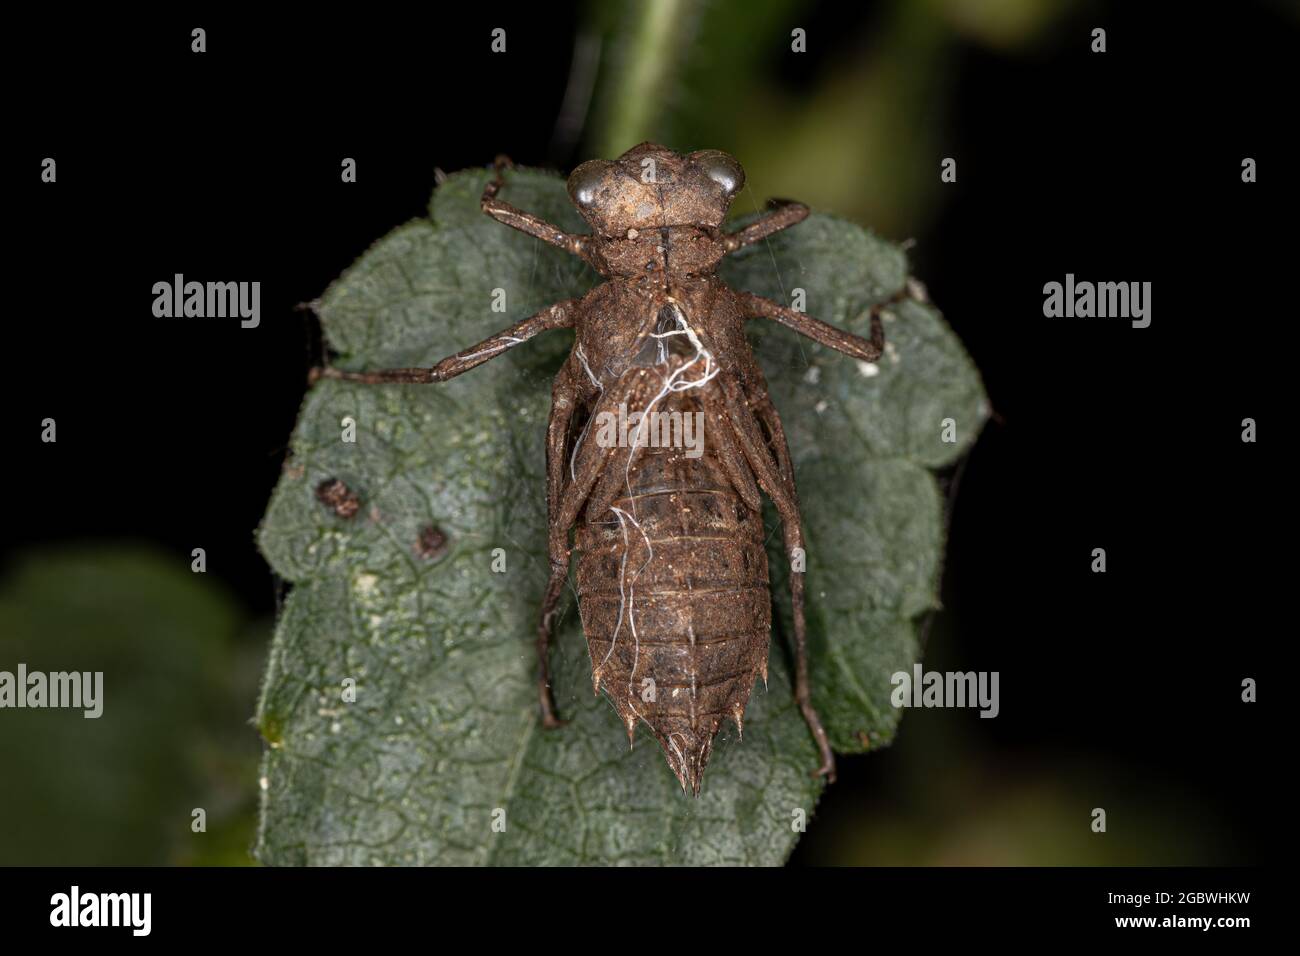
523,221
785,215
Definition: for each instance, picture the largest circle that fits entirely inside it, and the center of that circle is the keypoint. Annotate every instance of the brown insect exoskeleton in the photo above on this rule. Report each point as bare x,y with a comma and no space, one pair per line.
672,572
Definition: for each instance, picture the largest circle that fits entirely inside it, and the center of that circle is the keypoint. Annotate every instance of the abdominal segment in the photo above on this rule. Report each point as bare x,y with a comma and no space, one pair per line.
673,586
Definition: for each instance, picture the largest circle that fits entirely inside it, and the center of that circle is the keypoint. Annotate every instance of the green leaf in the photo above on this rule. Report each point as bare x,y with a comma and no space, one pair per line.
443,737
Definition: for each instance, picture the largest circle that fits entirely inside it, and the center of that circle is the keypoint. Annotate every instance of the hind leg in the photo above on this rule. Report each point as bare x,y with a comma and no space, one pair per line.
769,416
776,478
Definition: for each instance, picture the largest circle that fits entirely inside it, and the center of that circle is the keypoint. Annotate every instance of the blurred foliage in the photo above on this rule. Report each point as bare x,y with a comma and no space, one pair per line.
180,681
956,802
947,795
855,125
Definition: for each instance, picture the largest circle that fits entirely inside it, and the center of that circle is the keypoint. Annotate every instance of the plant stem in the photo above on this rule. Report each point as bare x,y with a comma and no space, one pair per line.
647,56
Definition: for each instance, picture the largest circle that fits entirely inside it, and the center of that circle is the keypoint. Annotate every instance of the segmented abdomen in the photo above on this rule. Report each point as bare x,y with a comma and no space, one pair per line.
673,593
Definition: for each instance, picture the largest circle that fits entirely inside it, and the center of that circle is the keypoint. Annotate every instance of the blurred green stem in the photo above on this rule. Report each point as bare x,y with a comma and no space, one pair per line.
648,55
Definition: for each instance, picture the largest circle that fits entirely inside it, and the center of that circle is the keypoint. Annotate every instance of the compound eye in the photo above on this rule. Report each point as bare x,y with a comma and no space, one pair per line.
585,180
722,168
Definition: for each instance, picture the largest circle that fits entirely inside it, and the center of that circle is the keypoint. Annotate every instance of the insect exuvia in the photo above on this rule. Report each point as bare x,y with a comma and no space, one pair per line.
672,573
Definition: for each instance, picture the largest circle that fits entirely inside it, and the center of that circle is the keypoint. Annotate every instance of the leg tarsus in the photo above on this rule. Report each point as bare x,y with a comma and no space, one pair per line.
827,768
500,165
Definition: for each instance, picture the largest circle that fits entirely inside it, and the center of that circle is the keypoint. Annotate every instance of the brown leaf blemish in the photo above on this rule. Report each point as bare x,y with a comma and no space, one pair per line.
338,497
432,543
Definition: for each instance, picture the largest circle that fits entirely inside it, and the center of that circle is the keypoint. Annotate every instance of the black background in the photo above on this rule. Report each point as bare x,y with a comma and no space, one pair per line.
1117,167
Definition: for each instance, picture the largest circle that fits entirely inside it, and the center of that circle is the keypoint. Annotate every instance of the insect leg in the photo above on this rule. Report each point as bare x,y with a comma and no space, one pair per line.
523,221
557,316
822,332
777,479
784,216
